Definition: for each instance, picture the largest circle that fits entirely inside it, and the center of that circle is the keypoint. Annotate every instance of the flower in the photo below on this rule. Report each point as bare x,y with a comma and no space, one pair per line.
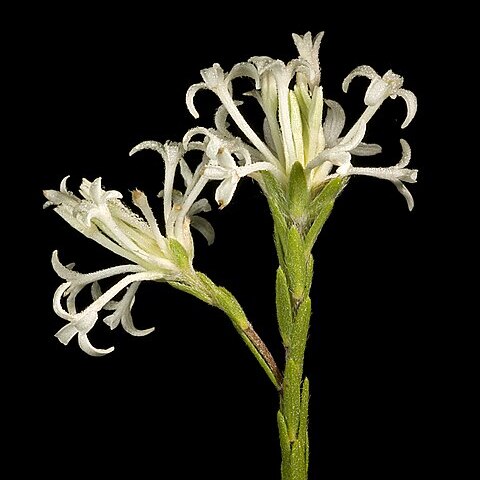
153,255
297,127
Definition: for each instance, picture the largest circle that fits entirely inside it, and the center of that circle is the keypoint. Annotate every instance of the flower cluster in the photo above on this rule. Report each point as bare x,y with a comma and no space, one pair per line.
296,127
300,126
101,216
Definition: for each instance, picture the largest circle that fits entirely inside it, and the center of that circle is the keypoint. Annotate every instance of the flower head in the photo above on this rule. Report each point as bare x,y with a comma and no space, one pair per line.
154,252
299,124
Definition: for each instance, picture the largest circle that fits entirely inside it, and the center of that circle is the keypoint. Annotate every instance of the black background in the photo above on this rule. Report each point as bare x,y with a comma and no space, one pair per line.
189,399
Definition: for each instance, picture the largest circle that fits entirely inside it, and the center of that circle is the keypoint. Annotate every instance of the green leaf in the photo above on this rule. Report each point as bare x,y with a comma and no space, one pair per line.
321,208
296,263
284,307
310,264
317,225
278,208
300,331
303,429
179,253
284,445
298,467
229,304
291,397
298,193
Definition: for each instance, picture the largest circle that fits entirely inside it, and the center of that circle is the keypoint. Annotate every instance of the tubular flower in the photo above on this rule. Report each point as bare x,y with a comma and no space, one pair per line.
299,124
152,254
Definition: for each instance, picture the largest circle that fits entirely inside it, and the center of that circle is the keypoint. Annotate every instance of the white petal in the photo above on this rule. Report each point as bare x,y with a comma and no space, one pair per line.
406,154
186,172
353,137
66,333
411,101
148,145
361,71
255,167
201,205
366,149
214,77
189,97
215,172
226,189
191,133
404,191
129,327
204,227
334,123
244,69
61,270
87,347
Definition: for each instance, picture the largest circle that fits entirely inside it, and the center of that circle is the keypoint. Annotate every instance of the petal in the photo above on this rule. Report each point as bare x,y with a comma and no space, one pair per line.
61,270
225,191
204,227
148,145
361,71
201,205
191,133
66,333
215,172
129,327
186,172
334,123
87,347
353,138
255,167
191,92
411,101
406,154
244,69
404,191
366,149
214,77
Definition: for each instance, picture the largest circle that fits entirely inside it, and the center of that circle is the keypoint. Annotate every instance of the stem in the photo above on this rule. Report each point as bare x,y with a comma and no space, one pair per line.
264,352
294,397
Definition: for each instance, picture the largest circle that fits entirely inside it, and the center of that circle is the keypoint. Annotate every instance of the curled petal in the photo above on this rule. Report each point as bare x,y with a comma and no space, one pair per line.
244,69
226,189
191,92
411,101
87,347
148,145
214,77
406,154
405,192
366,149
199,206
334,123
204,227
361,71
191,133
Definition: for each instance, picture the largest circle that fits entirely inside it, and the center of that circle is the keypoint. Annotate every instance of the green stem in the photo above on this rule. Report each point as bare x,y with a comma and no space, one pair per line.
294,312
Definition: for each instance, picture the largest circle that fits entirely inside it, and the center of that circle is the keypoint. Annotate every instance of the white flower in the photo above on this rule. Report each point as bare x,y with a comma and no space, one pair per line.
101,216
227,159
295,127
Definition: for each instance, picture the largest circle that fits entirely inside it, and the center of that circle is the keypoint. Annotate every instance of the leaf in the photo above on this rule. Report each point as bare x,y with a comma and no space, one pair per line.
303,428
229,304
308,284
291,397
321,208
284,307
284,445
300,328
295,263
298,193
180,255
297,466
